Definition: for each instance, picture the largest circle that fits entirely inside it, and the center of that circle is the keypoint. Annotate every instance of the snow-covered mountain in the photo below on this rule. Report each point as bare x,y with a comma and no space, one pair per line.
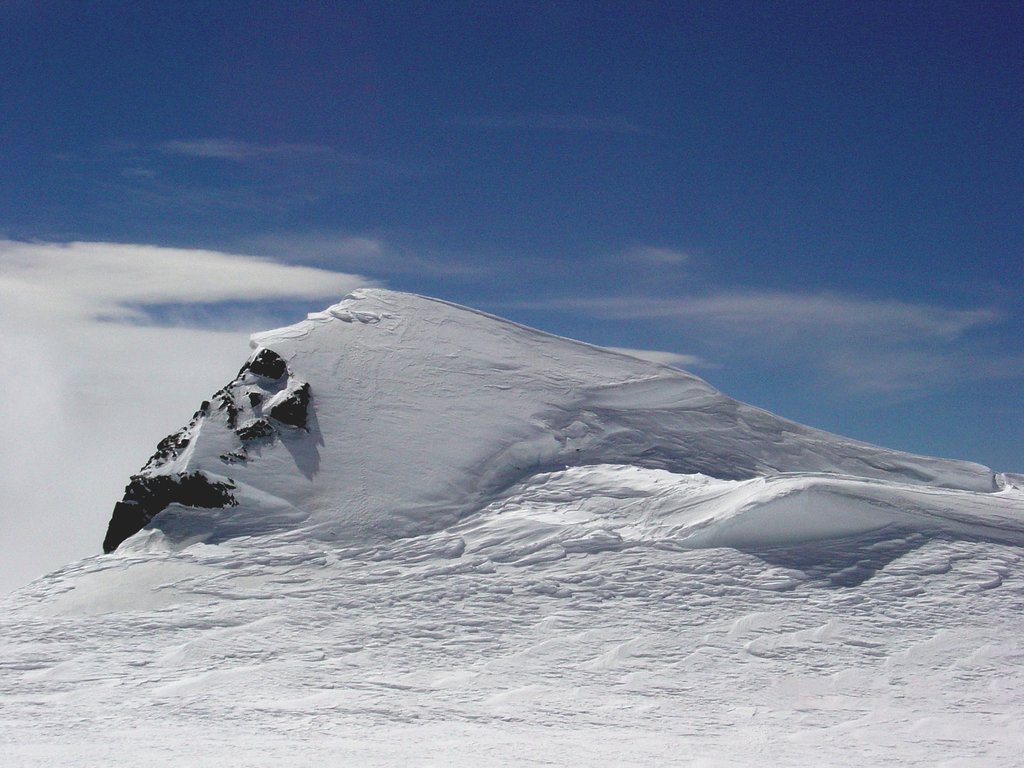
408,532
391,415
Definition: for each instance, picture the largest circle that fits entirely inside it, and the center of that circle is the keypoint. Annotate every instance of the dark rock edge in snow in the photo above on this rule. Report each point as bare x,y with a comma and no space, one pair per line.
145,497
148,494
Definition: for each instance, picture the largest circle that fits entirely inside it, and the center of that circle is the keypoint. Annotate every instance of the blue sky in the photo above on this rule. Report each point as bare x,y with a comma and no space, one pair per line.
819,207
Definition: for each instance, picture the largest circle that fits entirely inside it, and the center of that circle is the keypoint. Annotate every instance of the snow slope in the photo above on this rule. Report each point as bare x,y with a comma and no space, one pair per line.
412,533
423,412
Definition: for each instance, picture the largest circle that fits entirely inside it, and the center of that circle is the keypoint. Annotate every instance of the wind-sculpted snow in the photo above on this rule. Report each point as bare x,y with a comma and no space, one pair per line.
532,634
442,538
391,415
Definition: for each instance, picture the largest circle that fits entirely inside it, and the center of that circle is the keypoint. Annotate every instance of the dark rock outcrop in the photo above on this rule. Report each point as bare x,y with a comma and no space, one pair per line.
264,378
228,405
259,429
266,363
145,497
171,446
293,409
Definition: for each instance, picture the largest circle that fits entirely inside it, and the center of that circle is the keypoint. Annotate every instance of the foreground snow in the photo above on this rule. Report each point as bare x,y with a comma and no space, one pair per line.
895,649
484,545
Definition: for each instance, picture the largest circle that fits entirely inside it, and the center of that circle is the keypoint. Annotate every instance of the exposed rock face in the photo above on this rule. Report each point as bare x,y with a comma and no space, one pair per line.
255,430
293,409
263,402
266,363
172,446
145,497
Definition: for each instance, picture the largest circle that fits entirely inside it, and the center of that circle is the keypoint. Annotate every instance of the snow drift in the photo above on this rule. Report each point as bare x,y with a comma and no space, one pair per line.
409,533
391,415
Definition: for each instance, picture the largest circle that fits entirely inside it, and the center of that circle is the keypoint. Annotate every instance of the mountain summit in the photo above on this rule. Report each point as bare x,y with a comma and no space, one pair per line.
410,533
391,415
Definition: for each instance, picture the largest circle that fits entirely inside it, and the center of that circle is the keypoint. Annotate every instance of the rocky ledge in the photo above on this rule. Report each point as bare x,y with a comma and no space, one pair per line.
262,404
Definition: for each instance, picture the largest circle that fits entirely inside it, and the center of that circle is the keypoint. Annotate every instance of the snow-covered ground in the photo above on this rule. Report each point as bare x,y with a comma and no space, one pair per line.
486,545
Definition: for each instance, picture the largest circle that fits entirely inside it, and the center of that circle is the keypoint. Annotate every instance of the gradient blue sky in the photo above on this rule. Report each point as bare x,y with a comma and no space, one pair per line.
818,206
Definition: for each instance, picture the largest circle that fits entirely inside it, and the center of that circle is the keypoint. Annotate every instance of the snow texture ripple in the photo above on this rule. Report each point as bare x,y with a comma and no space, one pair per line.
454,540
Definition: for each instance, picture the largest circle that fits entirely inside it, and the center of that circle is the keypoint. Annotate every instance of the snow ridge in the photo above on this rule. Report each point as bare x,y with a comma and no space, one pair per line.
390,415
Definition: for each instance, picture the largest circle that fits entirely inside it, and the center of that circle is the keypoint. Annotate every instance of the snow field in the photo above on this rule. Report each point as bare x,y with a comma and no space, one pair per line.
491,546
896,649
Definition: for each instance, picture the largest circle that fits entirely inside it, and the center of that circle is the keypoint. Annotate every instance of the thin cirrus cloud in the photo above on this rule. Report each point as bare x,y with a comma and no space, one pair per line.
675,359
771,314
99,380
228,149
863,345
656,256
551,122
175,177
371,254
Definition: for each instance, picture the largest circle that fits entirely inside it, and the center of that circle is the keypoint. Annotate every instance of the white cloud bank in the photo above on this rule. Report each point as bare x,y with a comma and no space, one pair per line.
92,385
106,279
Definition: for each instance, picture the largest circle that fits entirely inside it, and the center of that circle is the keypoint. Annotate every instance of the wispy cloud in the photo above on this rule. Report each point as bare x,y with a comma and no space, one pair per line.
82,279
202,178
664,358
863,345
89,398
551,122
365,253
771,315
138,172
655,256
229,149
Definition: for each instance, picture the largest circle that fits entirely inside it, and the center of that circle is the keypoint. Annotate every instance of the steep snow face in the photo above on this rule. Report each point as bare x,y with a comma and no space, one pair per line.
391,415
